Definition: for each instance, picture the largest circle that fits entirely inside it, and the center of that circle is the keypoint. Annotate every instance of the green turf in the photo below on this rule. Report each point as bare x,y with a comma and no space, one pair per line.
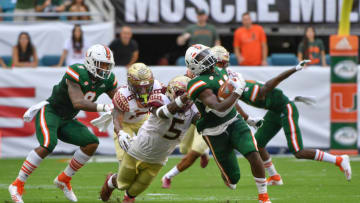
305,181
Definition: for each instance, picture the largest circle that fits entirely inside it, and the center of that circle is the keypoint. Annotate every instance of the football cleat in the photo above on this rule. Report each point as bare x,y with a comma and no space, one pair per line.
264,198
166,182
229,185
274,180
62,181
128,199
204,160
343,162
106,191
16,190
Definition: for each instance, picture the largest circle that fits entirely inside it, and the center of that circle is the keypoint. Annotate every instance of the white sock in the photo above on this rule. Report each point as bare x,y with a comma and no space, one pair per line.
78,160
261,185
270,168
110,183
173,172
31,162
323,156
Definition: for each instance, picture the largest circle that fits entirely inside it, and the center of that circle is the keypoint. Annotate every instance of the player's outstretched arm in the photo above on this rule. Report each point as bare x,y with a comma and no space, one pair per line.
118,117
169,110
208,98
272,83
80,103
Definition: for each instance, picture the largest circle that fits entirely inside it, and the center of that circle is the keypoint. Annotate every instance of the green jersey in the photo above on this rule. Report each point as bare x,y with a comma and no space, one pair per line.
209,118
60,99
274,100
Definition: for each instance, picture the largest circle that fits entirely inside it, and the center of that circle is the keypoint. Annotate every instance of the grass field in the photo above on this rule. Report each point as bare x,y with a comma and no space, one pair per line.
304,181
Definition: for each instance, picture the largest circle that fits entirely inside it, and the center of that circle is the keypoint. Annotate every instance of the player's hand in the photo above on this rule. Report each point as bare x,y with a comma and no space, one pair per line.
124,140
239,84
104,107
155,100
256,122
302,64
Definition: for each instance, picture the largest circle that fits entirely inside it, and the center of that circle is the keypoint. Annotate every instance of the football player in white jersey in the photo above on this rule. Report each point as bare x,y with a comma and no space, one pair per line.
193,146
171,116
131,102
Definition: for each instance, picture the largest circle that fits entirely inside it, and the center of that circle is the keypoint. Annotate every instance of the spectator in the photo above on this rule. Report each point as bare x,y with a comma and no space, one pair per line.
49,6
78,6
200,33
312,48
24,53
125,49
74,48
2,63
22,7
250,44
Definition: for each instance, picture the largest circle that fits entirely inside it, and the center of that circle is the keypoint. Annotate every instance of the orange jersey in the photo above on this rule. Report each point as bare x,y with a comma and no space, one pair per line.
249,41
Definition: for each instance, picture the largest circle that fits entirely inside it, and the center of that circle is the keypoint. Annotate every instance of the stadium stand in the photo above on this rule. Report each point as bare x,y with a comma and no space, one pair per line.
283,59
180,61
49,60
7,60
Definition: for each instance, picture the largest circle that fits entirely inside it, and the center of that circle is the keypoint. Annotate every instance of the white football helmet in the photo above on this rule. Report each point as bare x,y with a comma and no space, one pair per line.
198,59
96,57
221,55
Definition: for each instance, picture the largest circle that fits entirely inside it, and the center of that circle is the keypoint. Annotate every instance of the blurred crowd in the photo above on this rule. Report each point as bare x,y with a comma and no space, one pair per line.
249,42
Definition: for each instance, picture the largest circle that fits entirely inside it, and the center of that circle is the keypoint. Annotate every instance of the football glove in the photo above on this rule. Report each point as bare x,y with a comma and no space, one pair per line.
239,84
256,122
124,140
103,121
301,64
104,107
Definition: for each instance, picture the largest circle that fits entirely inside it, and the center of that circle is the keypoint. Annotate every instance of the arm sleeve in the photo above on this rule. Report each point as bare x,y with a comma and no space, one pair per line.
237,42
195,87
300,48
67,45
72,74
135,46
262,35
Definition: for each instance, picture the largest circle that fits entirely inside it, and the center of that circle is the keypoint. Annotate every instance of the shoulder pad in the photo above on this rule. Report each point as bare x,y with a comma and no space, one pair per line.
120,102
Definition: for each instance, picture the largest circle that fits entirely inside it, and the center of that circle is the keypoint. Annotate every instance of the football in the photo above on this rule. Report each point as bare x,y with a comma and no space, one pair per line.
225,90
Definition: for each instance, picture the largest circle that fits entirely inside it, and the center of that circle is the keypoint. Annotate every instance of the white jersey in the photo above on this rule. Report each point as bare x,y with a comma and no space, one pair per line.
158,137
125,100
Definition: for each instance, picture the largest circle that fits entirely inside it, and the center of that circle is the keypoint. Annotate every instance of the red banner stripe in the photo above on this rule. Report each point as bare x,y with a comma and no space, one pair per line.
17,92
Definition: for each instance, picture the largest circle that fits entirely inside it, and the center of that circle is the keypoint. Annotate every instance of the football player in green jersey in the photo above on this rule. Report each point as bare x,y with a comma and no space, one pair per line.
81,85
223,130
282,113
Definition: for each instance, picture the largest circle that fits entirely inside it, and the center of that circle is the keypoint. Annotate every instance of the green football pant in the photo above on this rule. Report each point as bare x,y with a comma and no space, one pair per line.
237,136
288,120
50,127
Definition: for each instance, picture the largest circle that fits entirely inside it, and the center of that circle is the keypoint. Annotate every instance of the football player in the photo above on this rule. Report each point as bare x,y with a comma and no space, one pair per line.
131,102
170,118
193,146
81,85
223,130
268,97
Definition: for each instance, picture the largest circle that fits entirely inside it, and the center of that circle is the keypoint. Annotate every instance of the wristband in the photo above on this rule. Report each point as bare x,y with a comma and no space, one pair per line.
165,110
178,102
100,107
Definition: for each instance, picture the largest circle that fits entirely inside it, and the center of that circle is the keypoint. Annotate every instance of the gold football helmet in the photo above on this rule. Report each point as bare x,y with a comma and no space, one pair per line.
222,56
140,81
177,87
